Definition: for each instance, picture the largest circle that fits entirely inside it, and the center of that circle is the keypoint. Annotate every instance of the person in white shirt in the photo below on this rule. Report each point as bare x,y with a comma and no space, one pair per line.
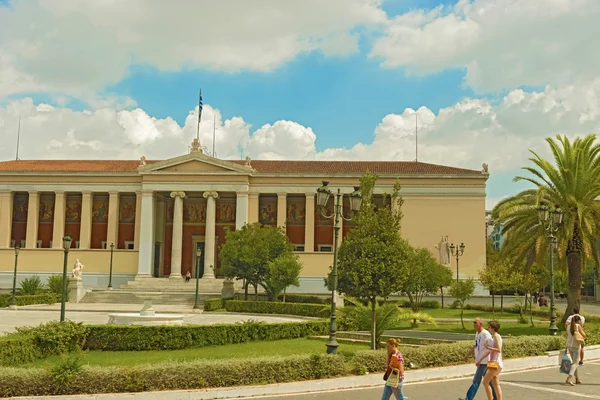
492,377
576,312
482,355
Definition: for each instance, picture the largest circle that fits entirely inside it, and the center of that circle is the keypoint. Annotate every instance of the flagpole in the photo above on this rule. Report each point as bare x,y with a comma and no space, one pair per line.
199,115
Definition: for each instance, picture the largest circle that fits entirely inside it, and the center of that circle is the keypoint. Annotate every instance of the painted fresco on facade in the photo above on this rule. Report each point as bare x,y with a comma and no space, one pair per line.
127,209
20,207
296,211
267,210
73,209
100,209
194,213
46,208
226,211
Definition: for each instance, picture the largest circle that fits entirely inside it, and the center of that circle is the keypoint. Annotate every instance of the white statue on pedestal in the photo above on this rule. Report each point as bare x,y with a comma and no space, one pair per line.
77,270
444,251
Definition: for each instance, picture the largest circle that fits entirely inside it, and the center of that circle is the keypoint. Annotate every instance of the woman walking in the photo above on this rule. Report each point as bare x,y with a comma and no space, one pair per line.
394,376
575,338
495,363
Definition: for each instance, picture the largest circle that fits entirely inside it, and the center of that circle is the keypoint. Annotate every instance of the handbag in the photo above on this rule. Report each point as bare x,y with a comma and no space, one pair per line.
565,364
394,379
493,365
579,338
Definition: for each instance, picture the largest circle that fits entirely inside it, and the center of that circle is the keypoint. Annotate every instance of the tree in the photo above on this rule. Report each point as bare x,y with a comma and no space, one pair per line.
389,316
462,291
373,259
530,282
282,272
496,277
248,251
425,275
446,280
572,183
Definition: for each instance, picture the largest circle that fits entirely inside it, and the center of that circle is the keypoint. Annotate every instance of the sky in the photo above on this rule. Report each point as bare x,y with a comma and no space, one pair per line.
485,81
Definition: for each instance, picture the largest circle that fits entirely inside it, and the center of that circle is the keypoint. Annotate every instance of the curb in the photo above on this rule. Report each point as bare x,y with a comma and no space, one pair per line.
551,359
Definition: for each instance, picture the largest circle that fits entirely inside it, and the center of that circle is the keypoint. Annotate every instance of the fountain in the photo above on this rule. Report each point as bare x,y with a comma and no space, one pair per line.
147,316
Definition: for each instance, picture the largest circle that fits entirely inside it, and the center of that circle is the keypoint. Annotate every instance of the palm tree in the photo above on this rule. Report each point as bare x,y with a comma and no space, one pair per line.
572,184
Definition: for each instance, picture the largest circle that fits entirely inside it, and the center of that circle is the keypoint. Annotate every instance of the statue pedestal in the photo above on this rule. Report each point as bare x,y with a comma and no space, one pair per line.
76,290
339,300
228,290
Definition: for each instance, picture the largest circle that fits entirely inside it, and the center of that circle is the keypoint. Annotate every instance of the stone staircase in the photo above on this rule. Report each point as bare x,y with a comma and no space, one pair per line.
169,291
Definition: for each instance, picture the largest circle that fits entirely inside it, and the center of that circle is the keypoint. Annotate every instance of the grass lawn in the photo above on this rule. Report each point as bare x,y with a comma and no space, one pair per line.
242,350
469,314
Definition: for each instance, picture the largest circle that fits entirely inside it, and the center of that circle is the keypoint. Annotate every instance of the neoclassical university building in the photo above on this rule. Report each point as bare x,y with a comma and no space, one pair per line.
164,217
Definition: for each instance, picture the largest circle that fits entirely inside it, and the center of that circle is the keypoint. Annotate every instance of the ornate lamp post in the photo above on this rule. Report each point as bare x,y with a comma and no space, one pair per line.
13,300
323,195
198,255
112,249
66,246
457,251
551,224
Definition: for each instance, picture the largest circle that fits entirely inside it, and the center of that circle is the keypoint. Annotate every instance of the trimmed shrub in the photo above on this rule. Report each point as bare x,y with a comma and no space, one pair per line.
214,304
439,355
17,349
31,286
27,300
56,337
55,284
126,338
304,298
272,307
404,303
173,376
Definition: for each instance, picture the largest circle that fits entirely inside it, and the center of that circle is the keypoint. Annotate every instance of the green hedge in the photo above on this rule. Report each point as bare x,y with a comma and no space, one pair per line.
27,300
120,338
214,304
439,355
305,298
18,349
271,307
404,303
172,376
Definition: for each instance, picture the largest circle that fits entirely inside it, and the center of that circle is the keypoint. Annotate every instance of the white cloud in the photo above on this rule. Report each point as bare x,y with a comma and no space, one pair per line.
78,47
502,44
466,134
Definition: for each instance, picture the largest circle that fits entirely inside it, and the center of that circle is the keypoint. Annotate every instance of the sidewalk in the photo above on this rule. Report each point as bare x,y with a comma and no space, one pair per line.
325,385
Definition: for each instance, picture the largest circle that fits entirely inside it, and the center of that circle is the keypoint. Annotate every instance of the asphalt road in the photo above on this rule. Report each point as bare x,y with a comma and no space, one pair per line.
542,384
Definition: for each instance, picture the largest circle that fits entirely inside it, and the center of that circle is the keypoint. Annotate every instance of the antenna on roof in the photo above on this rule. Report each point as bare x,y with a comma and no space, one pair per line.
18,137
416,138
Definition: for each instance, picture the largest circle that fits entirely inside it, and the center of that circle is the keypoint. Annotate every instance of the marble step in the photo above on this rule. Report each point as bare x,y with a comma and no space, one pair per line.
117,296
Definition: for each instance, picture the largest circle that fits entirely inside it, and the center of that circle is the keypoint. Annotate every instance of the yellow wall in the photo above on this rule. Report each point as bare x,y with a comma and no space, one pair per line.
426,220
49,260
315,264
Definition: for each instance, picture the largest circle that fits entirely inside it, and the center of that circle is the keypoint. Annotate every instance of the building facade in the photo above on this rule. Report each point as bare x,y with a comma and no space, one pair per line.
166,217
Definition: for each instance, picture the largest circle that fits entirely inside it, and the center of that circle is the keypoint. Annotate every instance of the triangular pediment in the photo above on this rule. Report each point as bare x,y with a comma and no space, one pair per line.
195,163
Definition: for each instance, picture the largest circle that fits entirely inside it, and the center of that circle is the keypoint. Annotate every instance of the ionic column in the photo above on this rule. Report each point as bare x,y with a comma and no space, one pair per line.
210,235
6,213
58,229
309,223
281,209
252,208
138,220
177,241
85,235
33,216
241,210
145,213
112,233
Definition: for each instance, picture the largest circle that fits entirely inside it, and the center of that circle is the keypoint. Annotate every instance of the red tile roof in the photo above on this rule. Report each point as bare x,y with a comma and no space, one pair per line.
261,166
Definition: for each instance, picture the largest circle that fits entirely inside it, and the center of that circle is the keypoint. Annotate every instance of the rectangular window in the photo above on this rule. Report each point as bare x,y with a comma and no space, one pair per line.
129,245
299,247
325,248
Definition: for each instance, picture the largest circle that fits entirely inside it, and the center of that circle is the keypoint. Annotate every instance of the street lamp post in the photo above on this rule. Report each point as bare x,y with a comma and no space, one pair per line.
551,224
112,249
198,255
323,195
66,246
457,251
13,300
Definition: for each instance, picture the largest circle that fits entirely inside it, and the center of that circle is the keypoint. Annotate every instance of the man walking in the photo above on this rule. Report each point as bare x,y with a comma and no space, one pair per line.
482,337
568,322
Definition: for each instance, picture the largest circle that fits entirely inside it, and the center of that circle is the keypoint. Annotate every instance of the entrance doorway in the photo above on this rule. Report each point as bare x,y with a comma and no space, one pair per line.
198,259
156,266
